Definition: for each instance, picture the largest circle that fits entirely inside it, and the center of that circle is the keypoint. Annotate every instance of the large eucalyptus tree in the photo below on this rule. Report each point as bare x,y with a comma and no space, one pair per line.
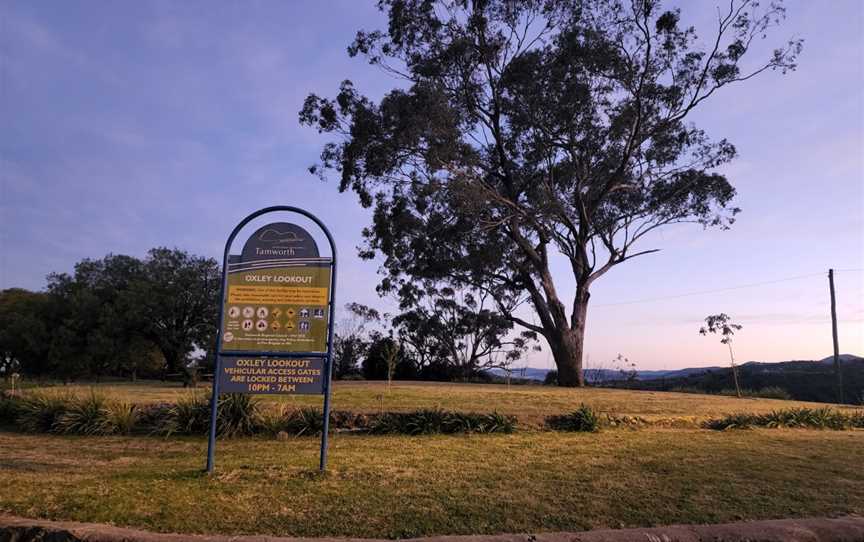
518,129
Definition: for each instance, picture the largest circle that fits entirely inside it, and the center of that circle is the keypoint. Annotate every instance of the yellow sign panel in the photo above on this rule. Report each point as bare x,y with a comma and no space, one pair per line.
277,309
277,295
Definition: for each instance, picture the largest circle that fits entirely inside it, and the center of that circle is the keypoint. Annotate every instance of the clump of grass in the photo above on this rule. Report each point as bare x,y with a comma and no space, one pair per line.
153,416
346,420
122,416
471,422
583,419
190,415
272,420
304,422
433,421
739,420
238,415
496,422
39,412
309,421
388,423
423,422
86,415
814,418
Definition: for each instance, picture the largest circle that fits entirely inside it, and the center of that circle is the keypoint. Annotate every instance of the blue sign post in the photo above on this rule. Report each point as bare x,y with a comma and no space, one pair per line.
276,316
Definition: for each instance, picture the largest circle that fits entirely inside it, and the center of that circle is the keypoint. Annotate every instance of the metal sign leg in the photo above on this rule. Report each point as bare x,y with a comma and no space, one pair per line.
322,465
214,406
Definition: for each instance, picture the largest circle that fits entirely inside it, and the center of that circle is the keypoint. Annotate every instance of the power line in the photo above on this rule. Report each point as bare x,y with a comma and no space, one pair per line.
703,292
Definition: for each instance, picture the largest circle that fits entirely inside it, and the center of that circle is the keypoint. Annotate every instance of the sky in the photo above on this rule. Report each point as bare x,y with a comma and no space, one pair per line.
130,125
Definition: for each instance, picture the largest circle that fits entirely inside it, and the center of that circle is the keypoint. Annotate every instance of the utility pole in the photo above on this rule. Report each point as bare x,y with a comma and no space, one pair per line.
837,370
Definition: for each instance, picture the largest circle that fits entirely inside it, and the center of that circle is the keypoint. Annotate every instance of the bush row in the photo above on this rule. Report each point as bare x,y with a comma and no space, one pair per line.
243,415
816,418
238,415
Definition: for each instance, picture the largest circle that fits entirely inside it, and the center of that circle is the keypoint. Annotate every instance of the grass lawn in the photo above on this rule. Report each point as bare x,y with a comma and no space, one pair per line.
403,486
529,403
410,486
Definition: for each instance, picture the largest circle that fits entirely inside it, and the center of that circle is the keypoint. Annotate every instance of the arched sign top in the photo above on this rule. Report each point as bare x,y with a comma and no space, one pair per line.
279,241
280,208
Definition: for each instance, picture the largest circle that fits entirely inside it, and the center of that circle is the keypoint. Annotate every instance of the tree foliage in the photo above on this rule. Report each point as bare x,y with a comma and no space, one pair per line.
456,330
351,339
119,316
524,129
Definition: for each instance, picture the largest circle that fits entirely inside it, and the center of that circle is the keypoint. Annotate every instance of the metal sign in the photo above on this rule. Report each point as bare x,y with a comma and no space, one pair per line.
272,375
276,317
277,309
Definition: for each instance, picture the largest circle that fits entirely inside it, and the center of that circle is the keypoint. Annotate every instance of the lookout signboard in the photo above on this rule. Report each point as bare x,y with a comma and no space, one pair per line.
278,293
276,322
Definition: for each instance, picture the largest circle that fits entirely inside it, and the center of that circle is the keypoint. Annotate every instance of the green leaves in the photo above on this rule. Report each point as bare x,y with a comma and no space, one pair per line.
814,418
516,130
583,419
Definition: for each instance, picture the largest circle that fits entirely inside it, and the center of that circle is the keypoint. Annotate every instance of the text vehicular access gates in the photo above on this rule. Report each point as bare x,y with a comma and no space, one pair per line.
276,317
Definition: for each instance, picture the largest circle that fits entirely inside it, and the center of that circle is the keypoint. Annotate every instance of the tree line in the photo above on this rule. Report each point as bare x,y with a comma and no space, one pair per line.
117,316
156,317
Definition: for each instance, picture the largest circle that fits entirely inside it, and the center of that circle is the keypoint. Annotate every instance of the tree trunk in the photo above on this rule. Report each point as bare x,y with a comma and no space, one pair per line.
568,344
734,371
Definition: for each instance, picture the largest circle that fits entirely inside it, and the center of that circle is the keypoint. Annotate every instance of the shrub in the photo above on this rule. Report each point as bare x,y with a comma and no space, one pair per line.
309,421
816,418
733,421
389,423
583,419
305,422
498,423
471,422
154,416
431,421
820,418
122,416
462,422
86,415
38,412
424,422
272,421
189,415
238,415
349,421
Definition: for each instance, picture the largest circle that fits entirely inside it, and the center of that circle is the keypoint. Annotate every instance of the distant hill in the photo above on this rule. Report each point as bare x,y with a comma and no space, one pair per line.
604,375
528,373
843,358
805,380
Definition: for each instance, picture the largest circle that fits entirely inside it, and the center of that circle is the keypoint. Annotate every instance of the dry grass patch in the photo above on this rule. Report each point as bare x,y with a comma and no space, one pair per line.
411,486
